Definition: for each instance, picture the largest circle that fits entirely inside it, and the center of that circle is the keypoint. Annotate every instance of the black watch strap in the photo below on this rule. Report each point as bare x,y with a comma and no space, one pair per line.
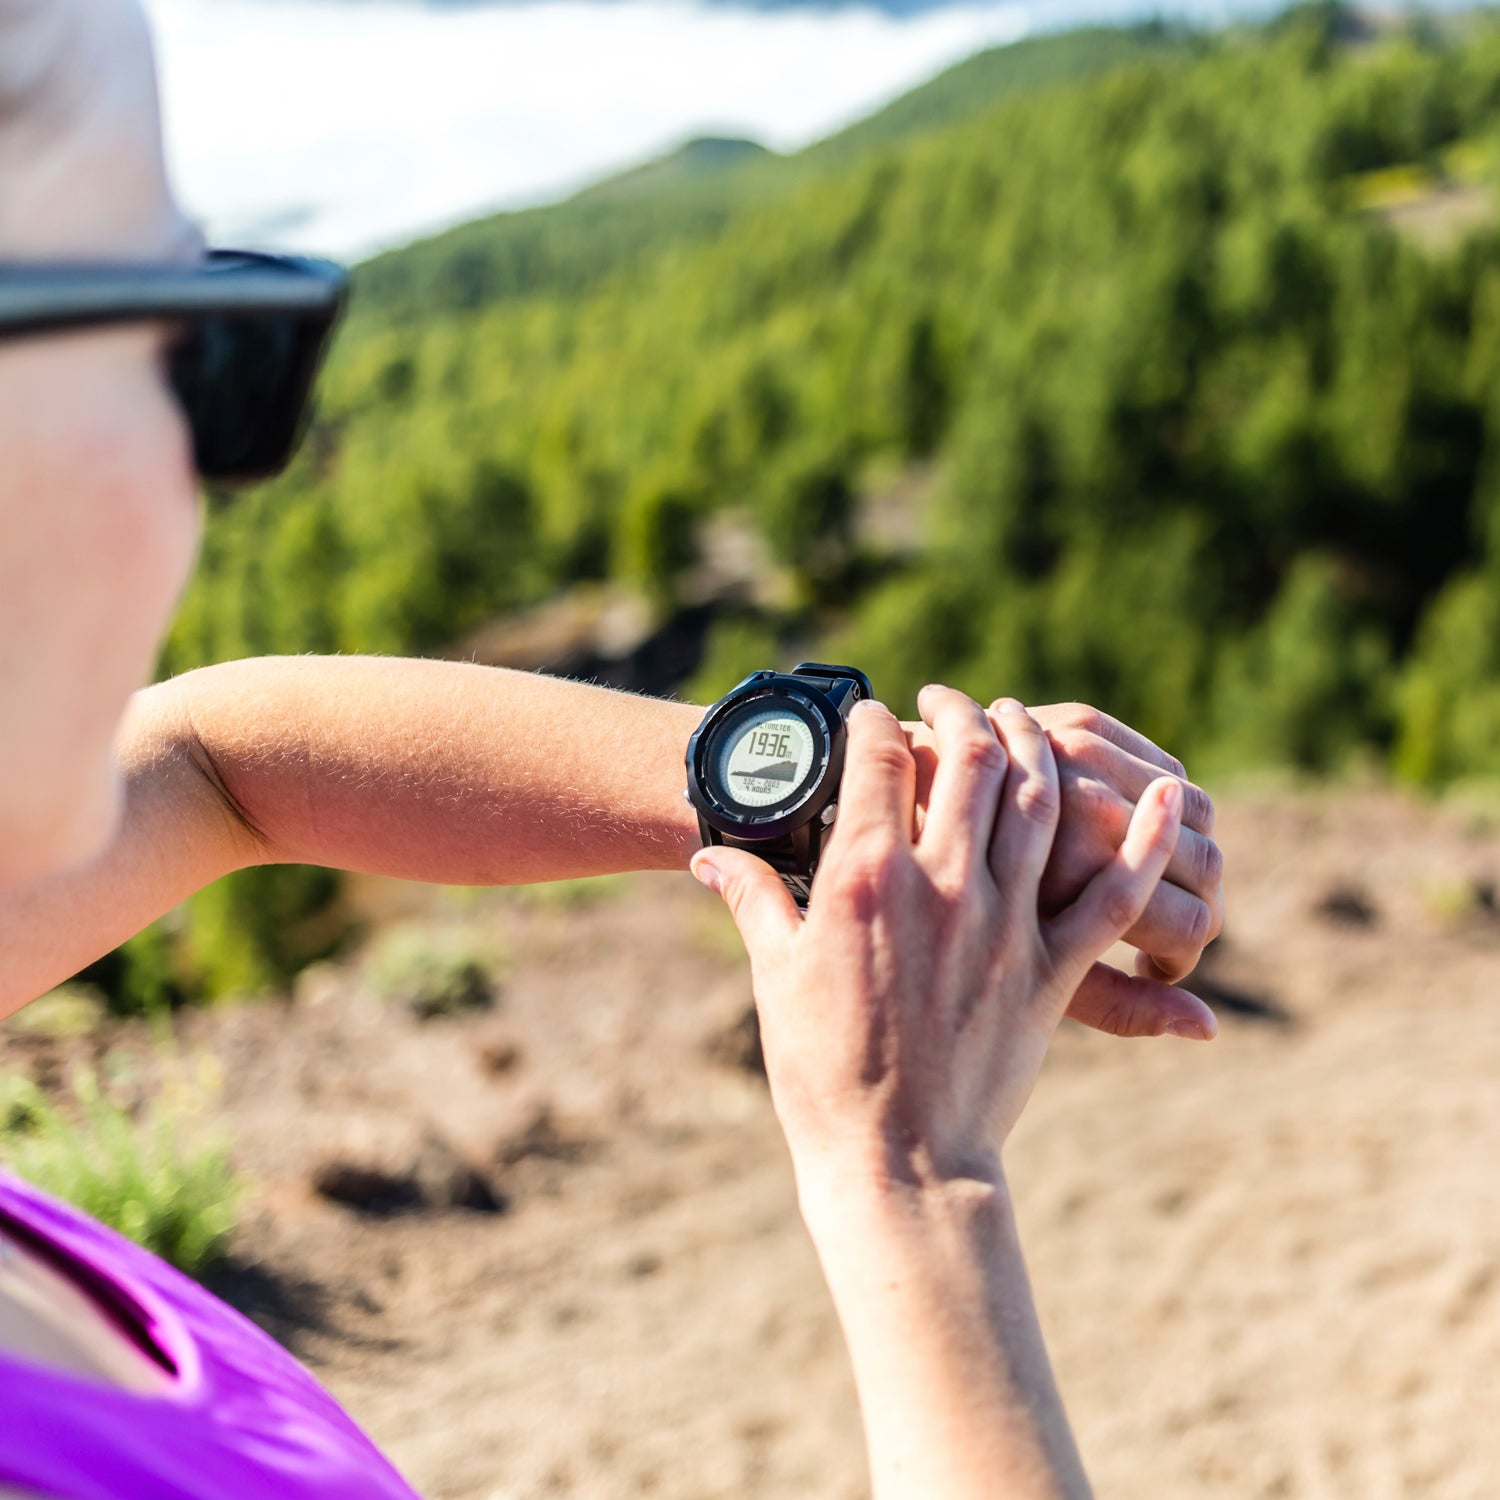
793,857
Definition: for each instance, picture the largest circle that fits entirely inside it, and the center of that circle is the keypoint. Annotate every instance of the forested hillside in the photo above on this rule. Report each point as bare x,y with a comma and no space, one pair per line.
689,196
1178,414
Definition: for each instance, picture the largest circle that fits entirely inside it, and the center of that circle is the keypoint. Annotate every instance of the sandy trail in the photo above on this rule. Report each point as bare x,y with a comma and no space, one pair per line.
1267,1268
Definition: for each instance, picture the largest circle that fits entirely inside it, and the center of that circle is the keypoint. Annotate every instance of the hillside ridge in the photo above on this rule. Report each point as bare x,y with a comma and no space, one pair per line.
689,195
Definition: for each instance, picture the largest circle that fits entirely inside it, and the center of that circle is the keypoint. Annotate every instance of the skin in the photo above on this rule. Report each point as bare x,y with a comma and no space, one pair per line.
415,769
982,861
80,136
81,177
939,988
88,577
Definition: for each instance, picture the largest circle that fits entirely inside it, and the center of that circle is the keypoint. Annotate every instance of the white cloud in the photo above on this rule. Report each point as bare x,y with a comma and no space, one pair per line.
340,127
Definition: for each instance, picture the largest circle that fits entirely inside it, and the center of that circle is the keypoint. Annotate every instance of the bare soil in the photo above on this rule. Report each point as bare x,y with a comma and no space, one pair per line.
552,1248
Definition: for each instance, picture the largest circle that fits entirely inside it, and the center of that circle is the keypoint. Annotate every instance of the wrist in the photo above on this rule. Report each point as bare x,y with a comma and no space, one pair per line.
930,1286
882,1190
685,835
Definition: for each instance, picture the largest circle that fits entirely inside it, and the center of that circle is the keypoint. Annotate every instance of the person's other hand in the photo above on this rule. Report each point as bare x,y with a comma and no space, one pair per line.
1103,768
906,1018
82,174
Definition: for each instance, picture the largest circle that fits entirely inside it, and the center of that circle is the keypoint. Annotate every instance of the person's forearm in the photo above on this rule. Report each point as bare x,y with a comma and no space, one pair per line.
435,771
955,1387
440,771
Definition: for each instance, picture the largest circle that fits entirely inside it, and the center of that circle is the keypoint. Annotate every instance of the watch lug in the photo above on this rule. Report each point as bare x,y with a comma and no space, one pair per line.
846,686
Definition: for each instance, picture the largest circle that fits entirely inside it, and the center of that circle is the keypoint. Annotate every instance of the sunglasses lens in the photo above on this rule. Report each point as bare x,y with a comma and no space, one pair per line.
244,384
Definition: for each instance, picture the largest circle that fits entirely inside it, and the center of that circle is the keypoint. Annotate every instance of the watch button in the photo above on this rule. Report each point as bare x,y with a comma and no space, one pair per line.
829,813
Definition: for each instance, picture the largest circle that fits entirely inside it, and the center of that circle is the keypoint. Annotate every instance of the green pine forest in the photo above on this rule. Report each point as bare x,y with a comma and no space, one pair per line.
1150,367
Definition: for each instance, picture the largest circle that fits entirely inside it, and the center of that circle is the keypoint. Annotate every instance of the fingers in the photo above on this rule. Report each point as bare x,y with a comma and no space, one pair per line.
924,752
1095,817
1130,775
1057,716
1116,1003
1197,866
878,793
1132,742
1115,899
1030,802
1096,745
1175,928
1186,911
760,904
966,783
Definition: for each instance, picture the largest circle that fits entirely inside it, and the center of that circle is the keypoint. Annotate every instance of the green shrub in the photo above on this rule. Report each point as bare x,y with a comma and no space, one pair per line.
257,929
1448,696
572,895
737,646
1309,687
68,1011
434,972
252,932
658,538
137,979
152,1174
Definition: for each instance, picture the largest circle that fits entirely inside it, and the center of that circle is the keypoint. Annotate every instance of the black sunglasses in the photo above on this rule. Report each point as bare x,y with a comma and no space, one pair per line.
255,328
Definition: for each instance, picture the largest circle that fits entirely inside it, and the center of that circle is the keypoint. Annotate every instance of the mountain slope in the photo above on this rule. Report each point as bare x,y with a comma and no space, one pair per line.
974,85
689,196
694,160
1176,424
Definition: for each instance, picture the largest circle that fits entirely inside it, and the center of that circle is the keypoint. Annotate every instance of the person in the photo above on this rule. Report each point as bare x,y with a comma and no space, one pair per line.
982,863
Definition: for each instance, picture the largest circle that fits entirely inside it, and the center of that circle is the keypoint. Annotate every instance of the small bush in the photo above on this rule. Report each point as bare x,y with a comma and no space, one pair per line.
68,1011
139,977
148,1174
577,894
1459,902
434,972
737,645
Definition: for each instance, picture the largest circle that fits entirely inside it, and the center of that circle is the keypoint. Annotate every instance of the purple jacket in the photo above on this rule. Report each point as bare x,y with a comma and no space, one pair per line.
242,1420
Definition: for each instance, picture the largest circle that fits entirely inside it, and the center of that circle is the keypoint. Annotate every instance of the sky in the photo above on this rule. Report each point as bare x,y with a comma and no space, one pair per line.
339,128
346,126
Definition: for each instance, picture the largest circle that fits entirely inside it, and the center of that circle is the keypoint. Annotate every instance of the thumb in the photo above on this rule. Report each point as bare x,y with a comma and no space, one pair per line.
760,904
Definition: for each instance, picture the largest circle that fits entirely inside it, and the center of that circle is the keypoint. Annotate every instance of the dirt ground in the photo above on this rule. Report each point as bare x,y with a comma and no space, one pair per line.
552,1249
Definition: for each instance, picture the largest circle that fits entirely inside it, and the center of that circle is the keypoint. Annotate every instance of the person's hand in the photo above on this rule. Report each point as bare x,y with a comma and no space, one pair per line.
1103,768
906,1018
82,174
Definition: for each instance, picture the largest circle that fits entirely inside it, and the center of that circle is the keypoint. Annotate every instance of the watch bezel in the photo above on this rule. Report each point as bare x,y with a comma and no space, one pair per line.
778,819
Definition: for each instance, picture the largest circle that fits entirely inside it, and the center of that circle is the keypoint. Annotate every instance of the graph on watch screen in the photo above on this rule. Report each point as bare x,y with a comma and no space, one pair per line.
768,758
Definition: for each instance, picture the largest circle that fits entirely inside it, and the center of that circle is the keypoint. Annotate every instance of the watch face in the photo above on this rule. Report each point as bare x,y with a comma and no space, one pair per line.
764,756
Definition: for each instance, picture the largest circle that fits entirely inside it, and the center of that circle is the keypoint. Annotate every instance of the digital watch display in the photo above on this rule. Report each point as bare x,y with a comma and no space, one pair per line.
764,766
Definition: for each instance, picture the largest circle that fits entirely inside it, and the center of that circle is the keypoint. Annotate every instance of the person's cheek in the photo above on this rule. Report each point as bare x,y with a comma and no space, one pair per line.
142,556
105,515
161,508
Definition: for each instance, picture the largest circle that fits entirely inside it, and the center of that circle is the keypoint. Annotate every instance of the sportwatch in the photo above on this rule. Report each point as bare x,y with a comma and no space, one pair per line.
764,766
